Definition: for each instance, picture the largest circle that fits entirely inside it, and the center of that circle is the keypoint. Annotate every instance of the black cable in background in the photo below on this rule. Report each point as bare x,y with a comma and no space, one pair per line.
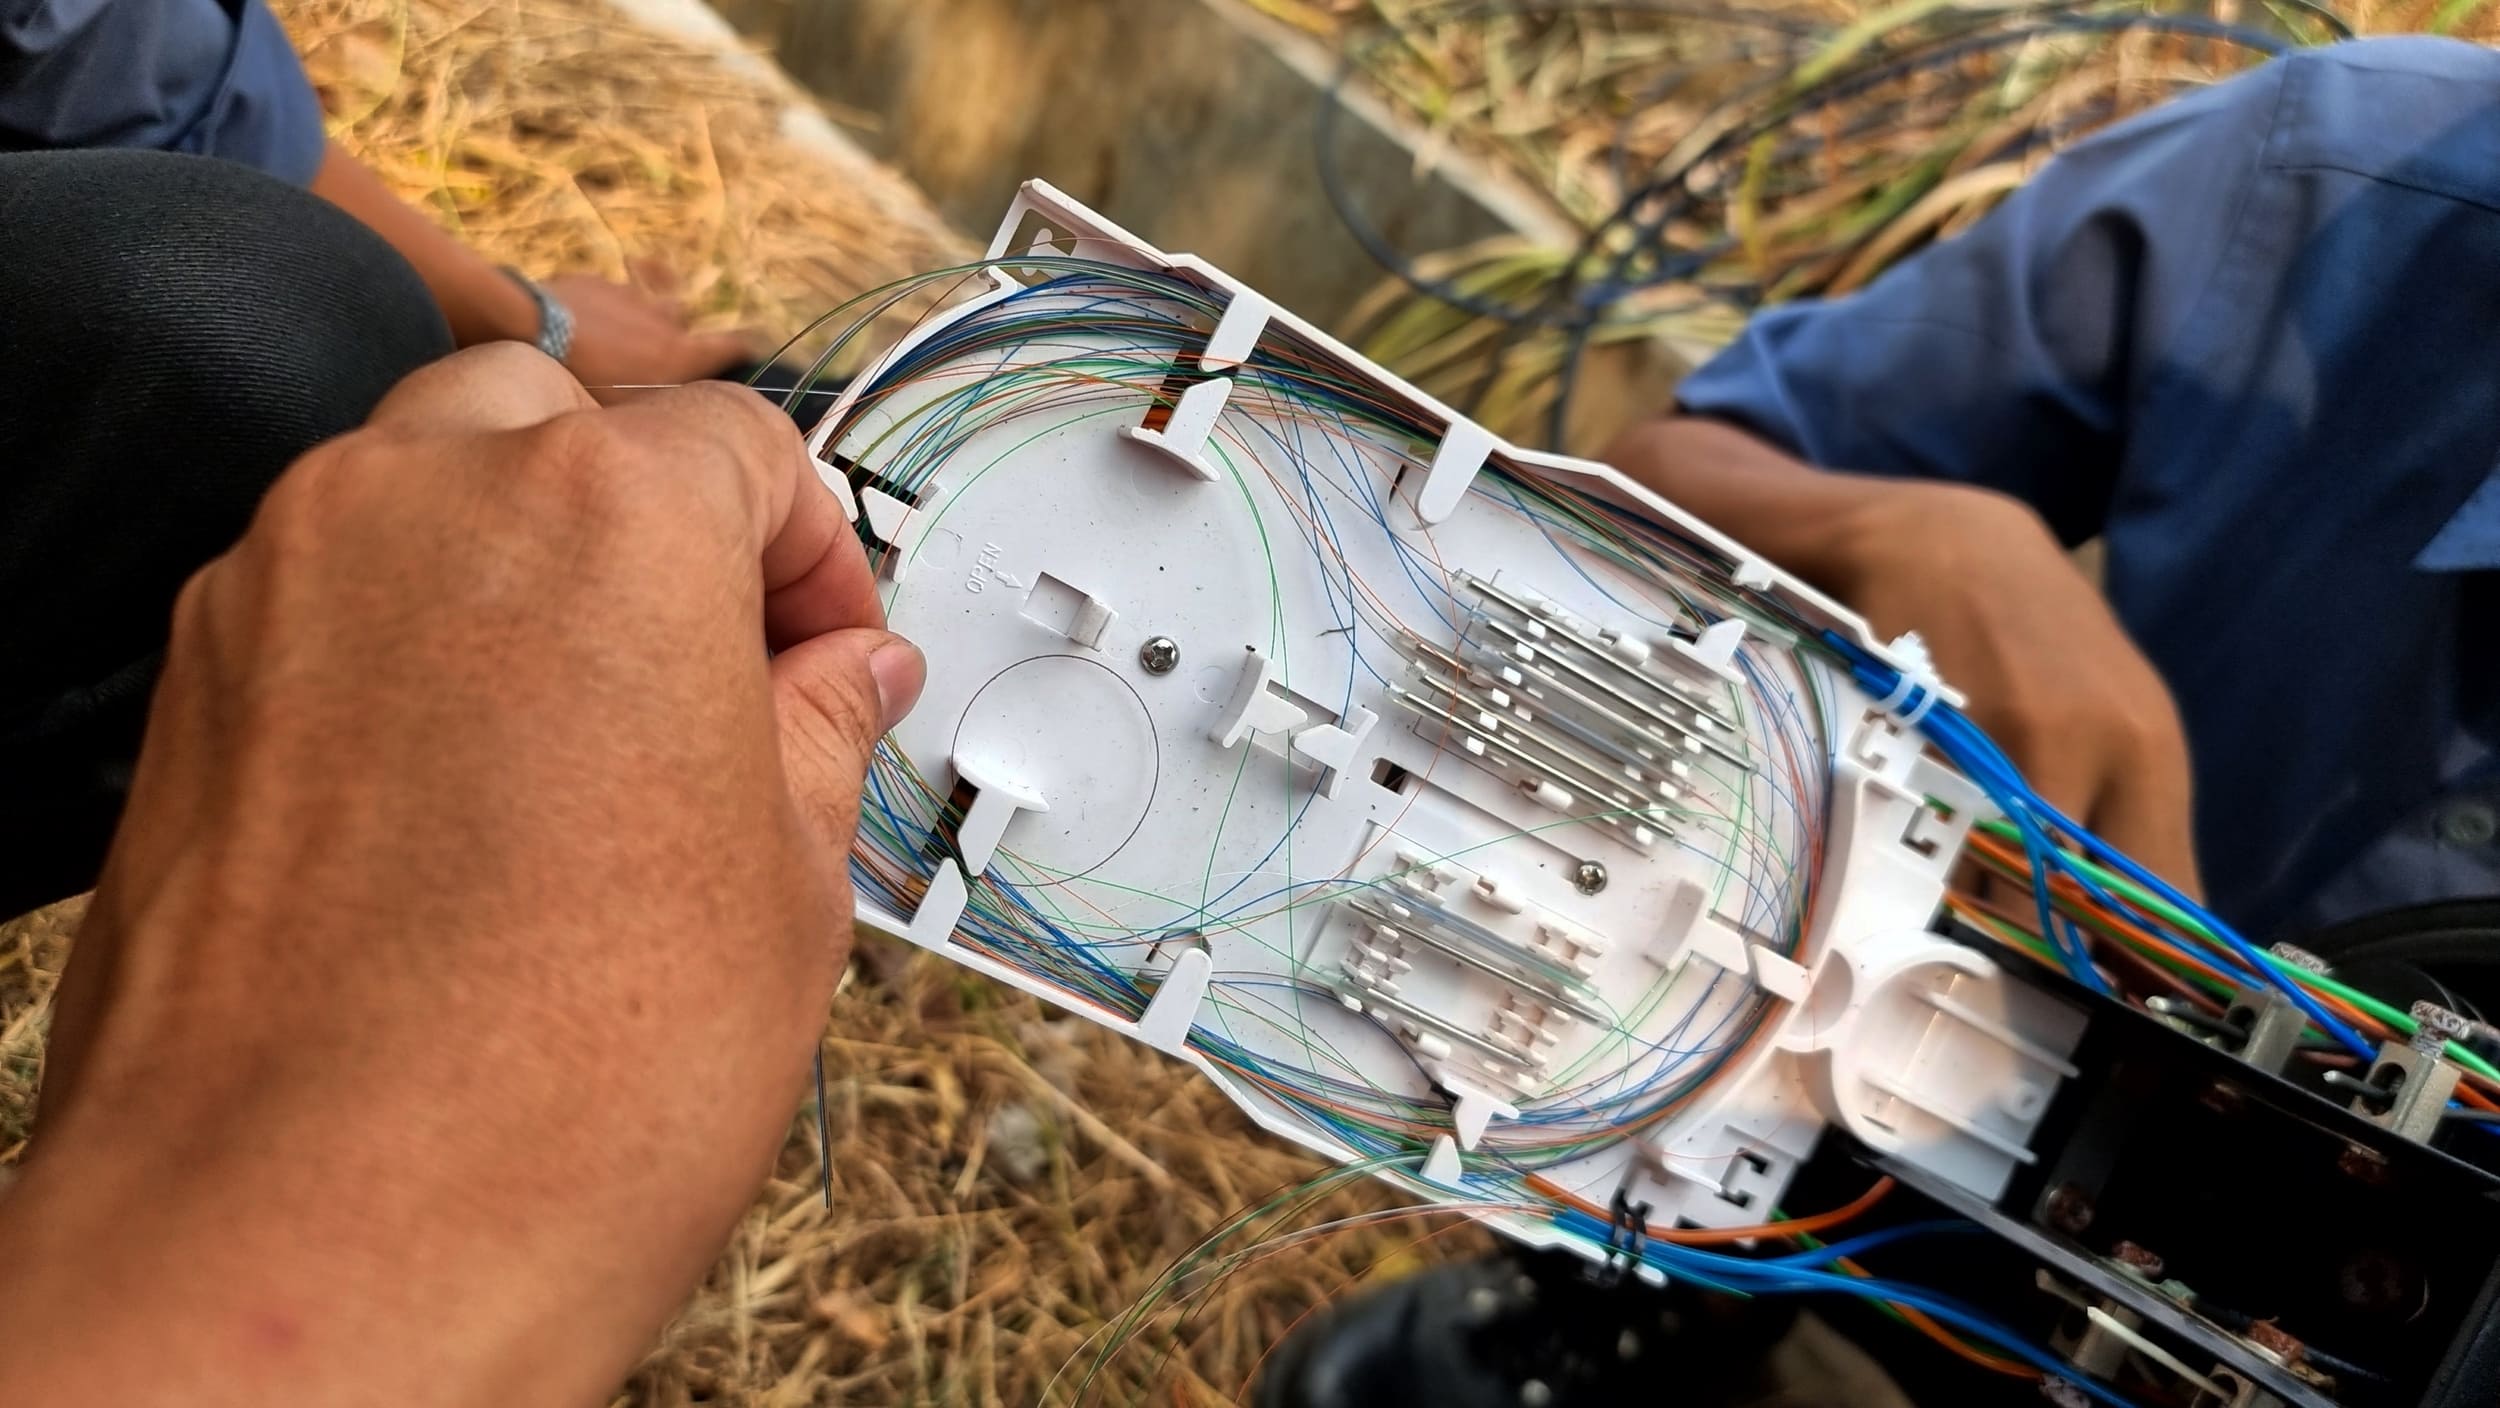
1637,228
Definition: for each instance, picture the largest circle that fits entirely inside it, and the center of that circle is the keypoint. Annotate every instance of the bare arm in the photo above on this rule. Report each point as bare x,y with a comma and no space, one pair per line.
1812,522
2048,669
622,337
479,303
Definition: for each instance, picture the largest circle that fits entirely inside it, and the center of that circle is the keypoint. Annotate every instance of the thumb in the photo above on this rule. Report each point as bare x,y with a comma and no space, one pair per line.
835,695
490,387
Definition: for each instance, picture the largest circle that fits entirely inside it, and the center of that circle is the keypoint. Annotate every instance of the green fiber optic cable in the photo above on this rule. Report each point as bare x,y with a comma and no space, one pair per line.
2400,1022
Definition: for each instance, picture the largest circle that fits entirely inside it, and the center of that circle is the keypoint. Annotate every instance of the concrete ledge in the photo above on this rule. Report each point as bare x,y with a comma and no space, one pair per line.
1188,121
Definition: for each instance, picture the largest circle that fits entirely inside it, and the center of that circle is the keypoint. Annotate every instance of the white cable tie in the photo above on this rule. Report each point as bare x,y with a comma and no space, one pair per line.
1928,694
1912,697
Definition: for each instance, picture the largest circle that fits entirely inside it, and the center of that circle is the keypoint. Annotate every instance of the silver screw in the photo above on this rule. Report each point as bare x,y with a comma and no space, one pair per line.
1535,1394
1590,878
1161,655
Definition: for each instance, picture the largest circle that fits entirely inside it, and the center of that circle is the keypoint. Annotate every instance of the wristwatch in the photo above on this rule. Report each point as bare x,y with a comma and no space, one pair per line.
555,321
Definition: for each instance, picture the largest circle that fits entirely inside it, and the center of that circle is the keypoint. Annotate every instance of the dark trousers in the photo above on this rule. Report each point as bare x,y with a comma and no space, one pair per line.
173,332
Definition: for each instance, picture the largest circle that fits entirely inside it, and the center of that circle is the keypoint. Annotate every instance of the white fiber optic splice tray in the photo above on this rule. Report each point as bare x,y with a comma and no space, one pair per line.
1402,781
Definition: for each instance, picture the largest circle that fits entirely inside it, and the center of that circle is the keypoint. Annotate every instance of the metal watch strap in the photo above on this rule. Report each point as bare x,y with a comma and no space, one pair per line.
555,321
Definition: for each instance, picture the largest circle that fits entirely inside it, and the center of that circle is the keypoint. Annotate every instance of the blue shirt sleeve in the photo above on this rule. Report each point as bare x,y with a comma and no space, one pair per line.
2246,338
2007,357
211,77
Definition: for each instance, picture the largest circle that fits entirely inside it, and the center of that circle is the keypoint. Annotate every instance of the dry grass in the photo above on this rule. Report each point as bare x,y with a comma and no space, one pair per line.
32,950
1005,1181
1804,145
1549,89
556,135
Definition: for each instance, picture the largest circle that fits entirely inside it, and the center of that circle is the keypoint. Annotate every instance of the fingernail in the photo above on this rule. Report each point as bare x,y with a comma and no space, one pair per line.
899,670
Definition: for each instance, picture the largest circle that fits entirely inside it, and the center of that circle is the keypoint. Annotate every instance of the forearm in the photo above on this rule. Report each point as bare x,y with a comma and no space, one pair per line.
478,301
142,1283
1810,521
356,1230
2047,668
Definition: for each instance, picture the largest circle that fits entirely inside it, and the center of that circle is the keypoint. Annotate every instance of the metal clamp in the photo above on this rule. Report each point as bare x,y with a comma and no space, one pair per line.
2408,1087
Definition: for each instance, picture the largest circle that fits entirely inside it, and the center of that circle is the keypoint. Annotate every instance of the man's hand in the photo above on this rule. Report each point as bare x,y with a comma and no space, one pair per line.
625,336
2048,671
457,967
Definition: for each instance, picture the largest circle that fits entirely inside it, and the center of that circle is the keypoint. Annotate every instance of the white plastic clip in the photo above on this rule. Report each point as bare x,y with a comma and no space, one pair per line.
1919,686
899,524
1184,436
1338,750
1253,707
1168,1017
1472,1110
1063,607
995,801
933,924
1714,650
865,428
1690,927
886,514
840,484
1461,454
